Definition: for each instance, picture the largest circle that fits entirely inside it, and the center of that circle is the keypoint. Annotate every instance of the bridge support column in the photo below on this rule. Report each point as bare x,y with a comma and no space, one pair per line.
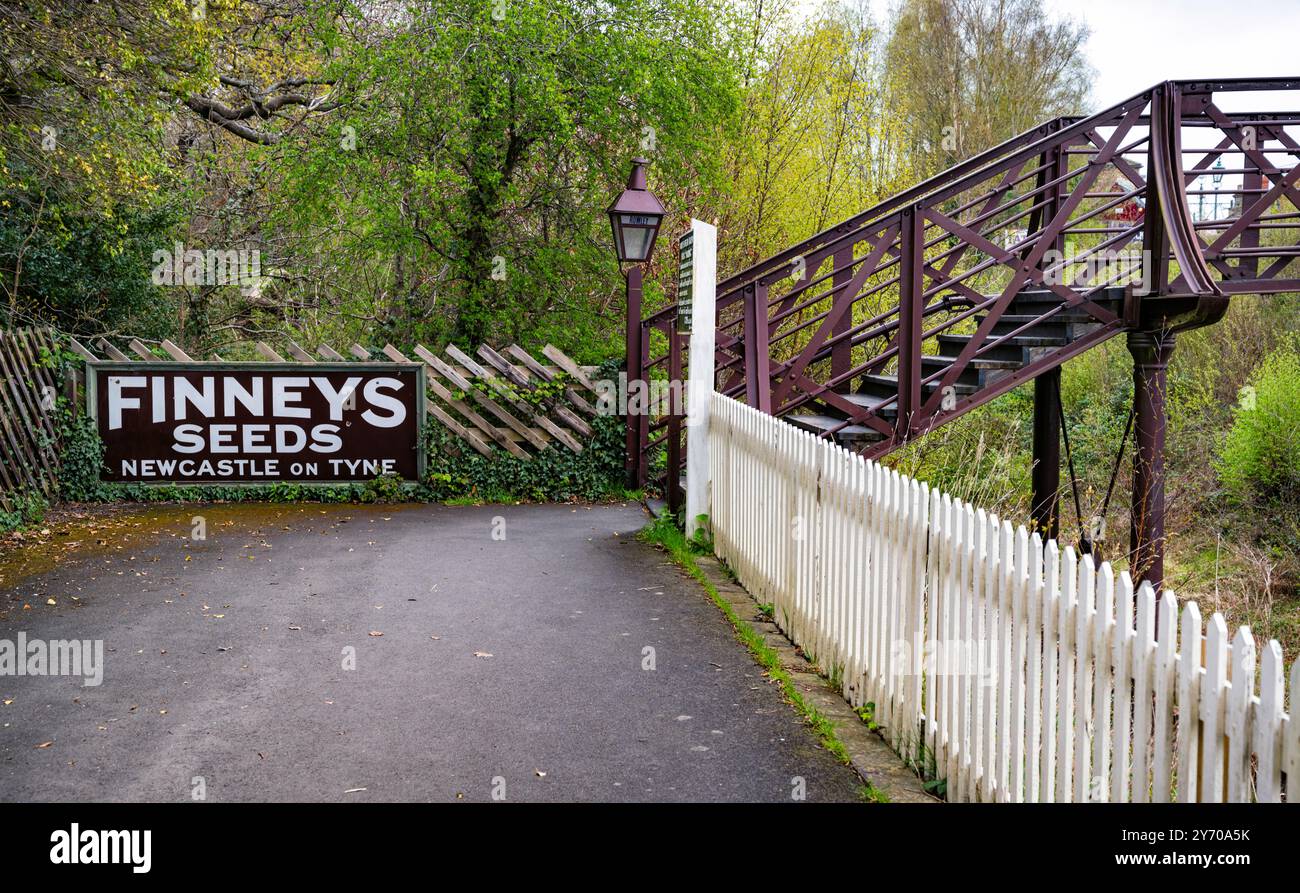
1151,352
1044,507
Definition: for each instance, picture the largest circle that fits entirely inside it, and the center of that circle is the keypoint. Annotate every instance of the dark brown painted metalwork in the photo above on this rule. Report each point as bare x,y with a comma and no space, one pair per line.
635,472
944,292
1151,352
1046,474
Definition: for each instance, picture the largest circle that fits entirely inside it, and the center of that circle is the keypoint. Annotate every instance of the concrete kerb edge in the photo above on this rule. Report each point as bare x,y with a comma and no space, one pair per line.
869,754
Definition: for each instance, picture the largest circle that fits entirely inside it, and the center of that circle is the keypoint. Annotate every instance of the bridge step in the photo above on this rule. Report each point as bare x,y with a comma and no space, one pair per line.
1111,298
884,386
978,372
820,424
1016,350
868,402
875,405
1036,341
1065,326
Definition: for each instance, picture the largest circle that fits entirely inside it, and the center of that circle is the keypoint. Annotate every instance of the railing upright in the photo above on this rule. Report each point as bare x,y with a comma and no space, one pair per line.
911,316
758,380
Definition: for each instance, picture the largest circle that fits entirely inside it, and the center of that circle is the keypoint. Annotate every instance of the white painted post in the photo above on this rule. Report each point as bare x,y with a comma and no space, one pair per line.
700,379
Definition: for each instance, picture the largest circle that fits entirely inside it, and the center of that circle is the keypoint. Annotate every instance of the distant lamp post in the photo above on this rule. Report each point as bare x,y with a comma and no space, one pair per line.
635,217
1217,179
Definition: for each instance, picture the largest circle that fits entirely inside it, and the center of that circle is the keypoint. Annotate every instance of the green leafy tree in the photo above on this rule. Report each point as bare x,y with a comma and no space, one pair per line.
103,111
478,144
963,75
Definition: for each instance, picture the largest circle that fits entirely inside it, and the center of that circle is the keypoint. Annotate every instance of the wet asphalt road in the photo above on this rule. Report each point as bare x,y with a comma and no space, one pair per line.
225,661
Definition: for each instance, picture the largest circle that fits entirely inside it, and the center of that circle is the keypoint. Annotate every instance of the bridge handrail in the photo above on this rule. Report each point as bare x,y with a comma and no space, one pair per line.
986,231
961,176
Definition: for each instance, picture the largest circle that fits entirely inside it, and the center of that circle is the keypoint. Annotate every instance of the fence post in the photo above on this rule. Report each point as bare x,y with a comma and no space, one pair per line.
700,382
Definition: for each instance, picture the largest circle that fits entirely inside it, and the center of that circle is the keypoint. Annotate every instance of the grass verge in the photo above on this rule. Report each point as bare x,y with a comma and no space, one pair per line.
662,532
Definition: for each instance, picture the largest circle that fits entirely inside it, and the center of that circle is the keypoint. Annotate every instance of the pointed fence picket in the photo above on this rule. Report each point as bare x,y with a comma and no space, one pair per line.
1011,669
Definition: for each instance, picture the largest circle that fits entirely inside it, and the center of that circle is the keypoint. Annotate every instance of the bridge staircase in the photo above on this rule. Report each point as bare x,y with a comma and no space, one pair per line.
1143,219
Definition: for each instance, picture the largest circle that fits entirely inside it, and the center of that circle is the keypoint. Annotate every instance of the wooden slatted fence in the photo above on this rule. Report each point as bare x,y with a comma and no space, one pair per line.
488,403
28,387
1013,670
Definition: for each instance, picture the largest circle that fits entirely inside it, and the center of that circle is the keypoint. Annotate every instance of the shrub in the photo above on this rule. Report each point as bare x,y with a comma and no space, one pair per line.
1261,455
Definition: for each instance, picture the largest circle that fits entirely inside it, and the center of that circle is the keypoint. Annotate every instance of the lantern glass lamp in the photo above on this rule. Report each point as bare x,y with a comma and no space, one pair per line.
635,217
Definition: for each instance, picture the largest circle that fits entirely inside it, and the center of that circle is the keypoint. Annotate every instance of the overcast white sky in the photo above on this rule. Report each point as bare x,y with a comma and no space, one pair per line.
1137,43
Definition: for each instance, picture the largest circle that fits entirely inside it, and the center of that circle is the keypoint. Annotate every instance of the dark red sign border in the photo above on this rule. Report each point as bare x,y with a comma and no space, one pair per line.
95,369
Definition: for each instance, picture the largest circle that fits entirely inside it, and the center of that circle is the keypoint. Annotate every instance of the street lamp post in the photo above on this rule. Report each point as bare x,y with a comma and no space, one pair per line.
634,218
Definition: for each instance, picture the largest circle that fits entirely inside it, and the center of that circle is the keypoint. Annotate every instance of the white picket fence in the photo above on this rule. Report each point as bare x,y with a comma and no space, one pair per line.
1013,670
